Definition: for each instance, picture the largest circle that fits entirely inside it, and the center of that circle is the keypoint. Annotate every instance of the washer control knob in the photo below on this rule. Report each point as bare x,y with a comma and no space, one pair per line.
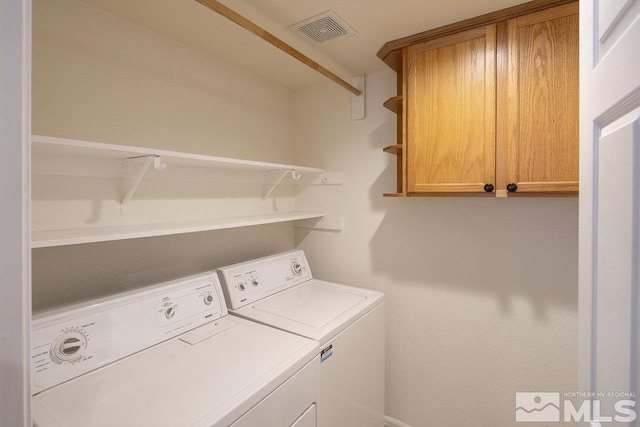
296,268
69,347
255,283
208,299
241,286
170,312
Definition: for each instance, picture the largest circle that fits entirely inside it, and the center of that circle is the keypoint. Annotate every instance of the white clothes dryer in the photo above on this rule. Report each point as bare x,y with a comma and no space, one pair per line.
169,355
348,322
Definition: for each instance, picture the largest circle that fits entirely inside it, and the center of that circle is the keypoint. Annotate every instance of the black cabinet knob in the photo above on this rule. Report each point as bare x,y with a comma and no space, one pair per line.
512,187
488,188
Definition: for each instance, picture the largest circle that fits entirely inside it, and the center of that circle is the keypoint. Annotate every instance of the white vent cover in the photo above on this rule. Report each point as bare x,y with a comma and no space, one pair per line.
323,27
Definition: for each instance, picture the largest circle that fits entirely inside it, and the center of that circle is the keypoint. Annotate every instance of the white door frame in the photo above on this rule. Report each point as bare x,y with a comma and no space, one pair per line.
15,252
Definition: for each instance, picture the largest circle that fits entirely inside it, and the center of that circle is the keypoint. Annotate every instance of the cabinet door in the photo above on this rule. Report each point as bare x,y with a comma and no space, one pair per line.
450,113
542,101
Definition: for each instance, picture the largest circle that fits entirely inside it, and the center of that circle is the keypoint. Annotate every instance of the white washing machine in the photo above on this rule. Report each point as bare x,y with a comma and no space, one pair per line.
170,356
348,322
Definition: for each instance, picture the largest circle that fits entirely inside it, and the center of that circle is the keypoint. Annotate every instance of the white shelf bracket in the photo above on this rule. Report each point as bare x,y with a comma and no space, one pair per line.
329,178
148,161
325,223
294,175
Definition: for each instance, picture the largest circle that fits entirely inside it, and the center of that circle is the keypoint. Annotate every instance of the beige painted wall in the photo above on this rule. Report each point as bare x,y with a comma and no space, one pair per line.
100,78
482,293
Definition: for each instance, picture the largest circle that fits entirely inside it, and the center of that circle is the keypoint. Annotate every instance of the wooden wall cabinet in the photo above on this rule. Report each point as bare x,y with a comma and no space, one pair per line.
450,112
491,109
539,117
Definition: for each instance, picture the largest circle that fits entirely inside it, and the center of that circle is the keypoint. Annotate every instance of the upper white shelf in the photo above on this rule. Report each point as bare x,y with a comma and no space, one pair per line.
67,157
60,156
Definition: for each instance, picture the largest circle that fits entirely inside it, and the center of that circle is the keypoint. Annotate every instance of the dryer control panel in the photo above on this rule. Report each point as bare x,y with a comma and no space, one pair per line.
71,342
251,281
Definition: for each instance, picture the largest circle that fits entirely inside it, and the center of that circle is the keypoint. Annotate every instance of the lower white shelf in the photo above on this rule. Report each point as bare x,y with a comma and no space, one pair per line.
45,239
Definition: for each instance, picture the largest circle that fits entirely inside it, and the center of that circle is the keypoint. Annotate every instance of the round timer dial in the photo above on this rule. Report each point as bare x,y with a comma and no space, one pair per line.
69,347
296,268
170,311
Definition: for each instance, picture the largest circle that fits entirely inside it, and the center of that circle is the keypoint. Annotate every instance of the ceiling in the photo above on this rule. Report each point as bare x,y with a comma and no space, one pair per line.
375,21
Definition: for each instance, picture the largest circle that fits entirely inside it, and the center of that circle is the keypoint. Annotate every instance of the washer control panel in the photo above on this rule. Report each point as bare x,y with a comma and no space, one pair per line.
68,343
251,281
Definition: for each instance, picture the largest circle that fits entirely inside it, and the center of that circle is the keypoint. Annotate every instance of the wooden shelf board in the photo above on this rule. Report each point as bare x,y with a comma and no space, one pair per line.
248,25
393,149
44,239
394,104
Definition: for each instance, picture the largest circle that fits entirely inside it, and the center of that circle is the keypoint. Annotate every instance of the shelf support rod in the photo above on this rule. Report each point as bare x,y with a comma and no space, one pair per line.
294,175
148,160
248,25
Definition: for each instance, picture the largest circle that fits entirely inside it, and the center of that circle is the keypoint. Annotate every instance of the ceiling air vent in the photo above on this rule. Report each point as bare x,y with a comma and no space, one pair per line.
323,27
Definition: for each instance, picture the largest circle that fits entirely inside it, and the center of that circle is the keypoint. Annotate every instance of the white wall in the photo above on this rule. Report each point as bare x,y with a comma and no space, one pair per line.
100,78
482,292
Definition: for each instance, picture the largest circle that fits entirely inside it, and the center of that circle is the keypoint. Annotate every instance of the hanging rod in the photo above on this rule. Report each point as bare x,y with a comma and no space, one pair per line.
223,10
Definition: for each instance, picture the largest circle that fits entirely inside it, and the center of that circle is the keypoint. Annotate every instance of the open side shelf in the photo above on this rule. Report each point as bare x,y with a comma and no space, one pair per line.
394,104
396,150
44,239
393,149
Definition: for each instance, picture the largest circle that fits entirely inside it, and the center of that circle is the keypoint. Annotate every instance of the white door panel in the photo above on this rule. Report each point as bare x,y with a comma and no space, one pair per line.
609,198
617,240
613,16
616,68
